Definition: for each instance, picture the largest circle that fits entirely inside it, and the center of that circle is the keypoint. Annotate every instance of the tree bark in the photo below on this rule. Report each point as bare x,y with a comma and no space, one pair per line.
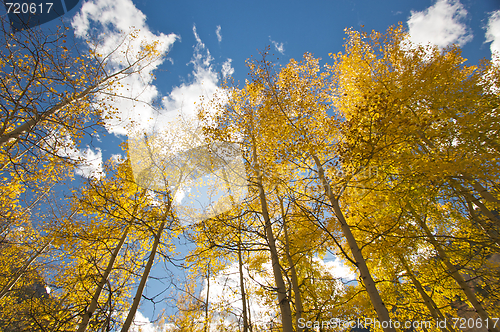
283,300
468,196
207,298
299,309
453,271
429,303
242,287
376,300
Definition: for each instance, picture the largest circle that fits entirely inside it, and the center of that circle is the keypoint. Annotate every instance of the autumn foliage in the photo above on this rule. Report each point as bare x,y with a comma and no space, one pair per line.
384,161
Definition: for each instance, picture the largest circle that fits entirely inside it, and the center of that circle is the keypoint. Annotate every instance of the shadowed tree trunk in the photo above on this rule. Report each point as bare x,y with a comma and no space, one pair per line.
453,271
429,303
369,283
299,309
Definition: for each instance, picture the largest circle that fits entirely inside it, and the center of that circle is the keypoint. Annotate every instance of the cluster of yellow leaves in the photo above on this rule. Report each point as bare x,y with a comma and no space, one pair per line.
50,103
408,138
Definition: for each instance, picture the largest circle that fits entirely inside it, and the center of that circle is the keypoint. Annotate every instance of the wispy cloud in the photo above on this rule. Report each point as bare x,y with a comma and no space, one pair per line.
175,130
91,163
183,100
278,46
117,158
217,32
441,24
108,18
493,31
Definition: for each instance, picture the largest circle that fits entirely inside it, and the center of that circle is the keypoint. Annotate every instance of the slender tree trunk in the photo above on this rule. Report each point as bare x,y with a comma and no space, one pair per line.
22,270
476,185
242,287
284,301
429,303
39,117
468,196
240,259
376,300
453,271
145,275
483,192
207,319
107,322
104,278
43,116
100,286
250,327
299,309
488,229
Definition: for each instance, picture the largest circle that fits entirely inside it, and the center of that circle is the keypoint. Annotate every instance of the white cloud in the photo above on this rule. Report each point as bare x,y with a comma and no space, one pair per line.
217,32
91,163
114,20
278,46
120,15
172,128
141,323
227,70
178,116
183,99
175,129
493,31
225,296
88,162
225,293
441,24
337,269
117,158
108,17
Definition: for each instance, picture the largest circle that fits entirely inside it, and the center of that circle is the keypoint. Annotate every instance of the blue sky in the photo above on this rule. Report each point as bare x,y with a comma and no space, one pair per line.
205,40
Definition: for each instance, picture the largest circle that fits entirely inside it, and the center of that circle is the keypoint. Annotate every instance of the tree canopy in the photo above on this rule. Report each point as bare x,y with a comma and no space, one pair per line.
366,189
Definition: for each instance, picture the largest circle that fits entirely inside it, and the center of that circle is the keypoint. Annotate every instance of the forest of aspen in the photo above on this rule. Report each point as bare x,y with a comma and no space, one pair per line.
383,158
